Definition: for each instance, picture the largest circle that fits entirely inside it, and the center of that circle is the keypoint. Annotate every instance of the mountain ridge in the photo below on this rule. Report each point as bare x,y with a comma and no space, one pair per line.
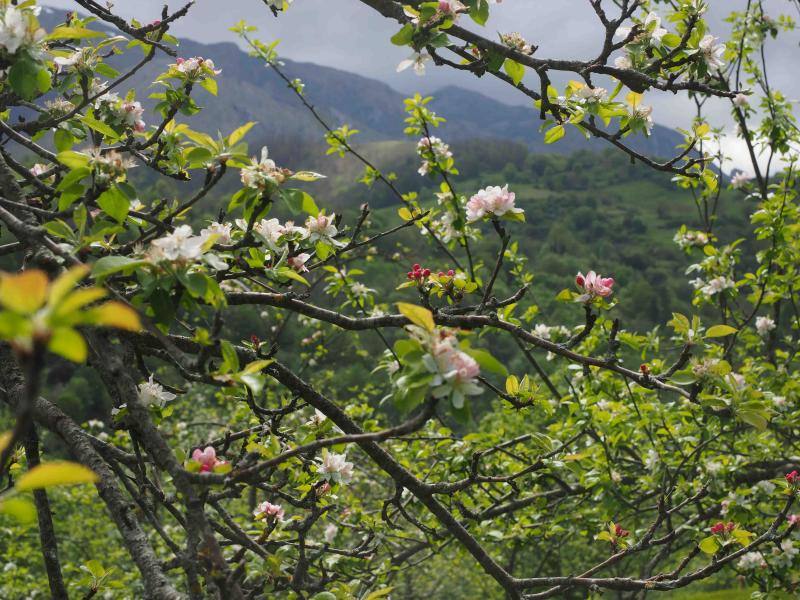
249,91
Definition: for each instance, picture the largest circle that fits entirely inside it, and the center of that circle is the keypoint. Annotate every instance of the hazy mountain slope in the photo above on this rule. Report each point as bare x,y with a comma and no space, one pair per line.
250,92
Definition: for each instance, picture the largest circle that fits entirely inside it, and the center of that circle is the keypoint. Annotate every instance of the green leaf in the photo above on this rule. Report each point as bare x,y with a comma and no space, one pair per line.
65,32
709,545
512,385
417,314
57,472
307,176
404,36
720,331
23,77
115,204
114,264
210,85
72,159
754,418
554,134
21,509
240,132
292,274
480,14
514,70
69,344
229,357
99,126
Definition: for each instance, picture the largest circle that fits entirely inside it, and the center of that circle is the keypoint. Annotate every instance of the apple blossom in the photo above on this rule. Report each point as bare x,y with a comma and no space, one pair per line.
515,41
643,115
180,245
268,512
751,560
207,458
651,30
335,468
623,62
451,8
108,166
591,94
717,285
491,201
298,262
433,151
132,115
152,392
688,239
455,371
321,228
263,172
764,325
712,52
317,419
221,230
416,60
196,67
18,28
38,169
594,286
741,100
740,180
330,533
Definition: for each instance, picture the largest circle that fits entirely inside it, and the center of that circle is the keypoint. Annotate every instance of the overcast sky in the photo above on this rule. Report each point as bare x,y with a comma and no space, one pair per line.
349,35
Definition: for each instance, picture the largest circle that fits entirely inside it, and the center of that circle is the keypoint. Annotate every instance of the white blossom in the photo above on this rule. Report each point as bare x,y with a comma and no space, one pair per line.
764,325
152,392
335,468
417,61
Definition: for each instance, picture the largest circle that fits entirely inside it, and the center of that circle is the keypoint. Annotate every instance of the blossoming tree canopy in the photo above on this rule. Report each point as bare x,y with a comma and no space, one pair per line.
310,401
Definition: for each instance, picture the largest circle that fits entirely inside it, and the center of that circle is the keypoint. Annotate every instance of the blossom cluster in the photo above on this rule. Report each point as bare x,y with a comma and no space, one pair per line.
183,247
454,371
196,67
108,166
268,511
207,459
434,152
19,29
594,286
689,239
152,392
515,41
335,468
493,201
263,172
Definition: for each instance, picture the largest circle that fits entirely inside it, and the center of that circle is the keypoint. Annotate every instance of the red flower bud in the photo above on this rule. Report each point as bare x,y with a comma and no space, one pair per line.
255,339
644,368
451,272
580,280
426,272
415,267
410,275
793,478
620,532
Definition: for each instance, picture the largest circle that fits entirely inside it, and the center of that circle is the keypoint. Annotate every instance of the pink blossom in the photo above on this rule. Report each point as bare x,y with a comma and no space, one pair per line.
267,510
298,263
493,200
793,519
207,459
594,285
133,112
